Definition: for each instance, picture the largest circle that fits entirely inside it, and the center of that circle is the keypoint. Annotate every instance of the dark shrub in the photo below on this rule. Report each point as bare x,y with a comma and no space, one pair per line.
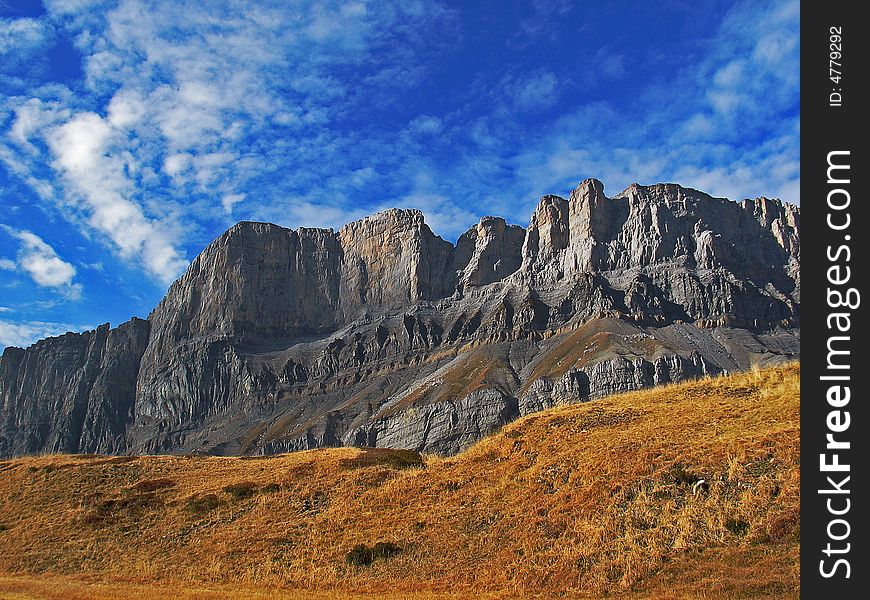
388,457
315,503
737,526
203,504
128,504
270,488
403,459
385,550
359,556
362,556
241,491
681,476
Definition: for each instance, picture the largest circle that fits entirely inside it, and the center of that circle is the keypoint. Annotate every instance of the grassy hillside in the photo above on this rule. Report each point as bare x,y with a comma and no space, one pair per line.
582,500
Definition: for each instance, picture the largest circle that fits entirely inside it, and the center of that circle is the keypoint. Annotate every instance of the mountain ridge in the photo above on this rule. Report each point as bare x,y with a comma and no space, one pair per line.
383,333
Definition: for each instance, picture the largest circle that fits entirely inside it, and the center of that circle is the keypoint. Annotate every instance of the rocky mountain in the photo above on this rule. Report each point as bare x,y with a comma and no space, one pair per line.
384,334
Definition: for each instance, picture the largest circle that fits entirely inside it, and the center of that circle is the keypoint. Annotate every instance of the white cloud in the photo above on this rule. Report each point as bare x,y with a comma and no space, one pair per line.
125,109
189,108
82,149
23,35
360,177
176,164
70,6
25,333
426,124
230,200
43,264
539,91
31,117
192,92
7,265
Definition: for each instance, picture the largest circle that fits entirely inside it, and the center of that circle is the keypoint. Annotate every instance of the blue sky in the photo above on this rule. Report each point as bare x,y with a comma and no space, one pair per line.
133,132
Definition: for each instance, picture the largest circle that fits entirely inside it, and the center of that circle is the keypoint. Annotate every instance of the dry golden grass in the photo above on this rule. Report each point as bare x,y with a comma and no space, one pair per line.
579,501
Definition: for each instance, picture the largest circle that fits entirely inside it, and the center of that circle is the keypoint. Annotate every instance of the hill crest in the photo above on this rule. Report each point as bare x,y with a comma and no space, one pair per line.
610,497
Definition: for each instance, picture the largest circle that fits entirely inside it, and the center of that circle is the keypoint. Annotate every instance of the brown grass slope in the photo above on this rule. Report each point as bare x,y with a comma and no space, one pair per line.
584,500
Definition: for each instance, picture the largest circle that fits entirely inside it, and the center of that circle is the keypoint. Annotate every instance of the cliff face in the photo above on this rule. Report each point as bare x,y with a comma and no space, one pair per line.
72,393
384,334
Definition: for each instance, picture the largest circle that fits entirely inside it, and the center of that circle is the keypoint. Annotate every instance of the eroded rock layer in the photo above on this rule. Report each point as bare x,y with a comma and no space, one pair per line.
384,334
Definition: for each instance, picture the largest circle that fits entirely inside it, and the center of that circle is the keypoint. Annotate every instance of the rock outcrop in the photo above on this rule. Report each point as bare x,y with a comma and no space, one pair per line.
384,334
72,393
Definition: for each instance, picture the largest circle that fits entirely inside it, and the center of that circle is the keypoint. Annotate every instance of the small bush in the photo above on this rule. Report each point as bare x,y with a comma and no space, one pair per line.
129,504
359,556
203,504
737,526
270,488
681,476
404,459
385,550
110,510
388,457
241,491
362,556
315,503
4,527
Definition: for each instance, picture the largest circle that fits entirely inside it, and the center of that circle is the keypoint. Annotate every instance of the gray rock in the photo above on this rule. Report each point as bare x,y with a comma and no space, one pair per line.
443,428
384,334
72,393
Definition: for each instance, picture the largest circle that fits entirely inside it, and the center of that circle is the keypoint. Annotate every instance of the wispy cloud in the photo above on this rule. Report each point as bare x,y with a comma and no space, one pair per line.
537,91
99,184
726,125
426,124
20,37
25,333
180,117
204,101
42,263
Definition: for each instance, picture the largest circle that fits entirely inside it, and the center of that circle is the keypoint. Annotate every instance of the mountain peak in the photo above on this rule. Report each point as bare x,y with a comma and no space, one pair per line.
384,334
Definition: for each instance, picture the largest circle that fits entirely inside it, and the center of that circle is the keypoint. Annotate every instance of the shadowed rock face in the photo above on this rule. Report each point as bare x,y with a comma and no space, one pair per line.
383,334
72,393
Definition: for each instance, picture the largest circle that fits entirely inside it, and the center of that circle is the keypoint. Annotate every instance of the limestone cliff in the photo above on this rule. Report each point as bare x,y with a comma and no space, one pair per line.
385,334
